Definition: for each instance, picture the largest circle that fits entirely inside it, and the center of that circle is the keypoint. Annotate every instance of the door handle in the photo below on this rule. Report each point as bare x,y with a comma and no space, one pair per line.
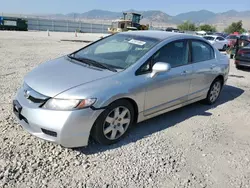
212,66
185,72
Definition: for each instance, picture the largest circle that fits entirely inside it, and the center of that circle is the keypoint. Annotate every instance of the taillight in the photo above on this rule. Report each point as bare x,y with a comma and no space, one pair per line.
241,52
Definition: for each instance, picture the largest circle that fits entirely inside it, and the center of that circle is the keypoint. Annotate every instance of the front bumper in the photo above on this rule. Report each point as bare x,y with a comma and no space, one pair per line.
67,128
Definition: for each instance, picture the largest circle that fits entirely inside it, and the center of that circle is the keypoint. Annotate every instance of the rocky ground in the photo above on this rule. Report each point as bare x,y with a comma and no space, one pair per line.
195,146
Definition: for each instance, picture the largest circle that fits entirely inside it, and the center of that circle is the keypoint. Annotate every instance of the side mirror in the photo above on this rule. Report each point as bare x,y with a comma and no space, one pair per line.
160,67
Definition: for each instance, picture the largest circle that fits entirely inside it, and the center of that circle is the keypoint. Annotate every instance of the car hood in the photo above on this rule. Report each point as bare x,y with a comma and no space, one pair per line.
54,77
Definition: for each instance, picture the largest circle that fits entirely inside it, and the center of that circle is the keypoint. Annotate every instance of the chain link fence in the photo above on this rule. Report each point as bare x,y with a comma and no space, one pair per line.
41,23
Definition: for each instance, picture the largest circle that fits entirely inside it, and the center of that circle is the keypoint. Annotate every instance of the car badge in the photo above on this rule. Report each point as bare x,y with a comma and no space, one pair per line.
26,93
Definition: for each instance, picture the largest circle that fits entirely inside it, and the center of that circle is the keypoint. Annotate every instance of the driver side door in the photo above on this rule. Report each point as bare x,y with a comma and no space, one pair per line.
171,88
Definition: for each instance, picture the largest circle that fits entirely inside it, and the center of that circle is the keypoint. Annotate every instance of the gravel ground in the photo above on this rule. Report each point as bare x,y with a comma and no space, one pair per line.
195,146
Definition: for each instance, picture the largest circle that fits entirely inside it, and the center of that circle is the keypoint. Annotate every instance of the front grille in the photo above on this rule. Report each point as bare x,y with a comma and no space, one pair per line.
33,95
50,133
36,100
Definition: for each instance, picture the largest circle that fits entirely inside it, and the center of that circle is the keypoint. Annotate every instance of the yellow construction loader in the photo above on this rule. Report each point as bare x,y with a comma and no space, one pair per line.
129,22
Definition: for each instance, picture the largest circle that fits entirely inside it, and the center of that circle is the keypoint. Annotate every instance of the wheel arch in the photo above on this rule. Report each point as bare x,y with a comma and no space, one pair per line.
131,101
220,77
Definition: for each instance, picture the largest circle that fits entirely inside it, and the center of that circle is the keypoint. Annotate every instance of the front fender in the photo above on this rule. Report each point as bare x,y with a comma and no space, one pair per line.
109,90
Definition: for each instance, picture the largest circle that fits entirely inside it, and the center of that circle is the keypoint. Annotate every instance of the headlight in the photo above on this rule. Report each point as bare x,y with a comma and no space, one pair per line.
68,104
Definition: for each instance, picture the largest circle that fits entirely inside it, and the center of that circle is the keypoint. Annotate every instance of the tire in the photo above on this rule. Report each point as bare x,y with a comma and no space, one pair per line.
215,90
238,67
110,121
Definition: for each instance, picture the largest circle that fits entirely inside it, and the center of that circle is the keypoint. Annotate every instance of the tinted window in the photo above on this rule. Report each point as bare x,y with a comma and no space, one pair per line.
201,51
232,37
174,53
220,38
208,38
244,37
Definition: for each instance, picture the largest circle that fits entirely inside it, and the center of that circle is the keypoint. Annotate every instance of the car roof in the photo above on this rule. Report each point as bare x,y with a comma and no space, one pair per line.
213,36
160,35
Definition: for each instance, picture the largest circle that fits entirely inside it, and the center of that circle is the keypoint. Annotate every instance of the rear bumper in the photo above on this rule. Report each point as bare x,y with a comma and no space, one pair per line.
242,63
67,128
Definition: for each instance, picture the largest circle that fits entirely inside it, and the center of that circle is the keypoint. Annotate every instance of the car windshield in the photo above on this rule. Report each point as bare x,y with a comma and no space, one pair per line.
209,38
231,37
117,51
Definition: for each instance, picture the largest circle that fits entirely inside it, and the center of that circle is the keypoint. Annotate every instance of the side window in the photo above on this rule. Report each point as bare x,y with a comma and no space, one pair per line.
175,53
201,51
220,38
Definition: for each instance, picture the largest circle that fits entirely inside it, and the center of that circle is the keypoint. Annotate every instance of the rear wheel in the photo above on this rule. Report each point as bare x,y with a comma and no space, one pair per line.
214,91
114,123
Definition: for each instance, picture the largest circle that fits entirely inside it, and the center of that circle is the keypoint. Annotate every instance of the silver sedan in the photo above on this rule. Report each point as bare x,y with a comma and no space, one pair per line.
105,87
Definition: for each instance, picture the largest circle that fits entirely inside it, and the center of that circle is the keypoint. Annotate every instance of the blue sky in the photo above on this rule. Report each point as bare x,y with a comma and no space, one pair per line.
171,7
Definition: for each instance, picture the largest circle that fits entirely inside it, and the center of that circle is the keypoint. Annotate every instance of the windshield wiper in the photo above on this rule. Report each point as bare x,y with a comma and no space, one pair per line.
72,57
101,65
94,63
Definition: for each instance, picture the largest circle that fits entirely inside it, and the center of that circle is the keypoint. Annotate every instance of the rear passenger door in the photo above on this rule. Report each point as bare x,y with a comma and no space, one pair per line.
204,65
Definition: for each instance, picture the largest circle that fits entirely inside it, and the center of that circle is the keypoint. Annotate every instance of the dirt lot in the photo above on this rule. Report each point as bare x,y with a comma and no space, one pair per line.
195,146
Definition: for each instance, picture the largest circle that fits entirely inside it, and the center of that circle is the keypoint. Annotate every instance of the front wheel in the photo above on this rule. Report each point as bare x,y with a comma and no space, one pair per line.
113,123
214,92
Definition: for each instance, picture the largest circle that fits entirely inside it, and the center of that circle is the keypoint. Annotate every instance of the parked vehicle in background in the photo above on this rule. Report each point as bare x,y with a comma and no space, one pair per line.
232,50
232,39
171,29
10,23
242,57
201,33
119,80
224,35
245,37
218,42
210,33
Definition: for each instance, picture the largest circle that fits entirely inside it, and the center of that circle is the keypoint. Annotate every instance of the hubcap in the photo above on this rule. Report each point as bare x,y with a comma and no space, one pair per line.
116,123
215,91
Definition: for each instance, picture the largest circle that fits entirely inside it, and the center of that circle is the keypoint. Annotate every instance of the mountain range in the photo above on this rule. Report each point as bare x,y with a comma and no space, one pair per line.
155,17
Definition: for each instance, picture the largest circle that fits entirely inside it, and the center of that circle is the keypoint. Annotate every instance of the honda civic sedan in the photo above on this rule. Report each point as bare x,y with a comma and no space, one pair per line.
126,78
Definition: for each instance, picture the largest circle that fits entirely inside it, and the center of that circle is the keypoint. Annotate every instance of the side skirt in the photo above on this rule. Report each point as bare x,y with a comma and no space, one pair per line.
141,117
